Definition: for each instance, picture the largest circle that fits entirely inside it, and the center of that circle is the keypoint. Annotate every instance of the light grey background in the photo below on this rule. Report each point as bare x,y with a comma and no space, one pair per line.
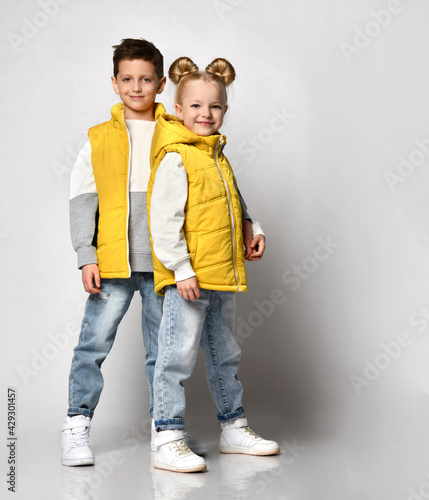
328,131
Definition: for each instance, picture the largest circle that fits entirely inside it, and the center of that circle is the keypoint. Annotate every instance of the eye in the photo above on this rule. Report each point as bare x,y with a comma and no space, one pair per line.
195,105
216,106
126,79
147,80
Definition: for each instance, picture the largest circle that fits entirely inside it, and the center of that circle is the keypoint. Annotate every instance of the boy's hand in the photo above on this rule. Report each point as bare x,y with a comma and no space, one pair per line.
257,247
91,278
189,289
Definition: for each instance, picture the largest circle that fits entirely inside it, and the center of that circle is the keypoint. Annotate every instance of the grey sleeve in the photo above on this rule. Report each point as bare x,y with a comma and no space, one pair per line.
83,224
256,226
245,213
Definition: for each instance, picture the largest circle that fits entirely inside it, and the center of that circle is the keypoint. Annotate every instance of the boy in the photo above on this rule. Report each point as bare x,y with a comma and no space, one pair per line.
110,234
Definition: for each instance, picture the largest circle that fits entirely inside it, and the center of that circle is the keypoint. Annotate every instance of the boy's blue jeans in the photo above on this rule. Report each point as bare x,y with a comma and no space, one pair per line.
103,313
185,325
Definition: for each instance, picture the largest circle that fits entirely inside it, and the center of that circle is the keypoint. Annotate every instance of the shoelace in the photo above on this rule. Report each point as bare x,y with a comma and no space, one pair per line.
251,433
79,436
180,447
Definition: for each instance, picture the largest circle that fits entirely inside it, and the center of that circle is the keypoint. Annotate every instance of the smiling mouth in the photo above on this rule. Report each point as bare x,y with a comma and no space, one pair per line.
207,124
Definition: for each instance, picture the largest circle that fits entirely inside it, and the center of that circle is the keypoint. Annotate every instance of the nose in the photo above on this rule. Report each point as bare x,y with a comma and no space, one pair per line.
207,112
137,86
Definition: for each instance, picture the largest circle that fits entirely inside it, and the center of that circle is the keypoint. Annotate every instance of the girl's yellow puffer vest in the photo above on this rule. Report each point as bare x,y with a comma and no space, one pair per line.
213,220
110,158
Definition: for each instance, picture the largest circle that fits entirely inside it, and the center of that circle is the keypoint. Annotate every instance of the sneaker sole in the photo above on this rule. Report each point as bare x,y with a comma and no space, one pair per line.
247,451
77,462
162,465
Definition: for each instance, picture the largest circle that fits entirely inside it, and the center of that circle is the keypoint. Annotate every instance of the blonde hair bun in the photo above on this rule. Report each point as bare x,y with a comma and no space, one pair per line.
223,69
183,71
181,67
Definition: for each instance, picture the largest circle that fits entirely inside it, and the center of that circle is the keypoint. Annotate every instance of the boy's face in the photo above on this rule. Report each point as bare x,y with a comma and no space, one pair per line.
137,85
202,108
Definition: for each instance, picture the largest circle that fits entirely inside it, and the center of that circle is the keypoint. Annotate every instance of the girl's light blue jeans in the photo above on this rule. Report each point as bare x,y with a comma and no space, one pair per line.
185,325
103,313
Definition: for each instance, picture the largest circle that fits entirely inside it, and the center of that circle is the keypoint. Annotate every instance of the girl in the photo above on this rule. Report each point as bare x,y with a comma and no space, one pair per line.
197,235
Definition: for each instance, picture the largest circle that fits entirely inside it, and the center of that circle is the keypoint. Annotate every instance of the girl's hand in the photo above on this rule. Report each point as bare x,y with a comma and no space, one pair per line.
257,248
188,289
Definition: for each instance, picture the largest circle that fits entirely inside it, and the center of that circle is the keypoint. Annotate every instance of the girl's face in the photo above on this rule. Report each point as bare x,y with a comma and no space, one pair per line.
202,108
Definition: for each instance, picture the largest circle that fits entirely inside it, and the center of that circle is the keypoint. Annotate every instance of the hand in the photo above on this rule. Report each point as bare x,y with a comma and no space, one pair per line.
188,289
257,248
91,278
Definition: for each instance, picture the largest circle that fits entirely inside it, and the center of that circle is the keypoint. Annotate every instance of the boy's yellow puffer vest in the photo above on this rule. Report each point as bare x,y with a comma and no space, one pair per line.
213,220
110,157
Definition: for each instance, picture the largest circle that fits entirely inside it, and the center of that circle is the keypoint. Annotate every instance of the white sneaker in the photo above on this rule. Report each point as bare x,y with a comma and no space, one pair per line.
193,444
173,454
75,449
236,437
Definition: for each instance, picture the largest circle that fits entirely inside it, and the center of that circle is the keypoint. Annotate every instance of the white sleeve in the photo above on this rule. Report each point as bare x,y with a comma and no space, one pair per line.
257,228
83,208
82,179
167,216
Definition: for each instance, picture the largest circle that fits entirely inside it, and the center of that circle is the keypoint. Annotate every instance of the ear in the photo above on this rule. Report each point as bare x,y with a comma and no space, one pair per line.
178,109
161,85
226,109
115,85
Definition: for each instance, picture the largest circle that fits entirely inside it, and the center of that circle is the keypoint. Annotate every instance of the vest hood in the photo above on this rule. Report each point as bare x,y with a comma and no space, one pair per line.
170,130
118,116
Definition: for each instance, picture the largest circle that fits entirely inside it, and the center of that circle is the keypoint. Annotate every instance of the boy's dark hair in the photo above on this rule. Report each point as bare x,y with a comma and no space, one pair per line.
134,48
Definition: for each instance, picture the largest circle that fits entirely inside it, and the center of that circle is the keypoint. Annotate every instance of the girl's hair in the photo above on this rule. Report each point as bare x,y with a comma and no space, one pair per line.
184,70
